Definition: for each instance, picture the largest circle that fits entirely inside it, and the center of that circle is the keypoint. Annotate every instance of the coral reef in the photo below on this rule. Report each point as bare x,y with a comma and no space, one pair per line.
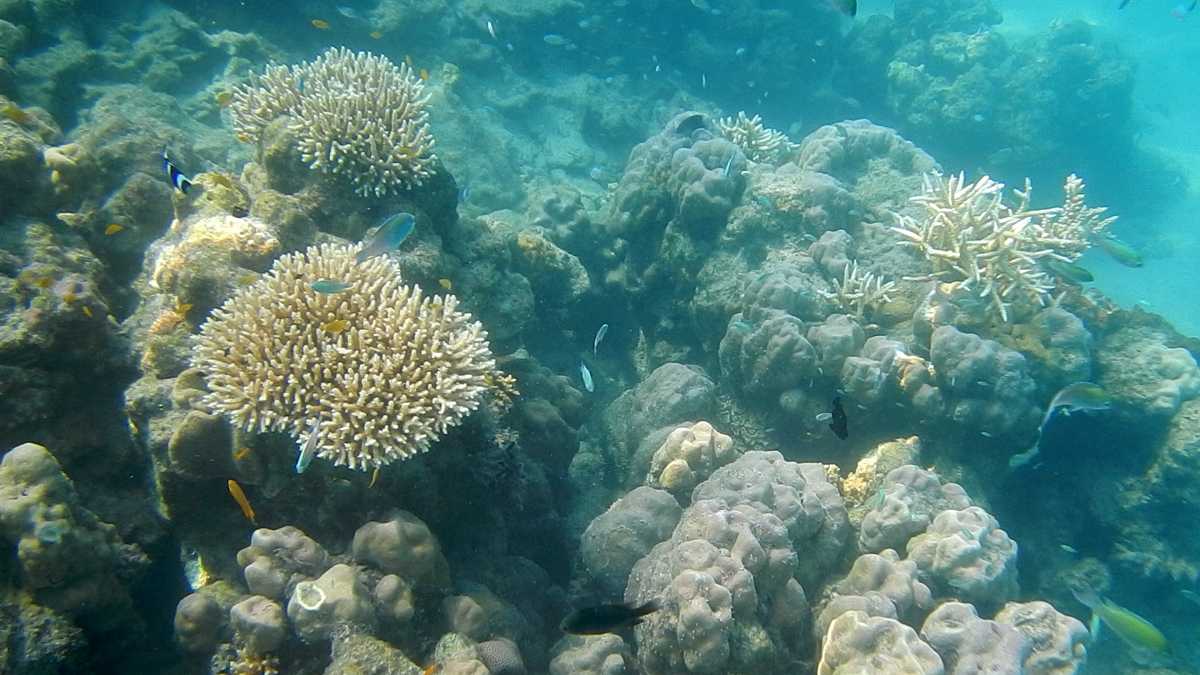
687,457
376,374
757,142
355,114
972,238
964,552
858,643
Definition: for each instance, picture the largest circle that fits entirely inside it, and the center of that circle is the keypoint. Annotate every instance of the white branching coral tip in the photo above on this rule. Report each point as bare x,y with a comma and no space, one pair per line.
860,291
972,238
355,114
759,143
380,369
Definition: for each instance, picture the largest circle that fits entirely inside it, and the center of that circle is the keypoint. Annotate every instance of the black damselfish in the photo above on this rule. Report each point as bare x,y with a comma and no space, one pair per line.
606,618
838,422
178,180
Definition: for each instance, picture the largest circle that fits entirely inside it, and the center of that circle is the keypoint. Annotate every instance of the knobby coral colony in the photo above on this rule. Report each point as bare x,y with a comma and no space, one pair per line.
972,238
355,114
759,143
379,369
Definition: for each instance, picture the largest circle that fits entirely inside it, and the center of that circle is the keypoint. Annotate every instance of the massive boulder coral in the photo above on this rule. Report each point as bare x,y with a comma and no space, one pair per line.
1058,642
356,114
909,498
964,553
895,579
592,655
969,644
729,579
987,386
65,557
377,372
729,602
688,456
857,643
800,495
615,540
1142,372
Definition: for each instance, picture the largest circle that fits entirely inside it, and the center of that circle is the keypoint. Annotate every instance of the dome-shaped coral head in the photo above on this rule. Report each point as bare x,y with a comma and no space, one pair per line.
355,114
379,370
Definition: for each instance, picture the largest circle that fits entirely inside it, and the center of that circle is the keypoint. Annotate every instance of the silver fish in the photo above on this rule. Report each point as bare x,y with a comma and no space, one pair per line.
586,375
310,447
599,336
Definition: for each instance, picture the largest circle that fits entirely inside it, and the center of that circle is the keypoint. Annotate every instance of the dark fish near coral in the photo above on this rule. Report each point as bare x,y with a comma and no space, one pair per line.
1069,271
847,7
394,230
838,421
606,618
1120,251
178,180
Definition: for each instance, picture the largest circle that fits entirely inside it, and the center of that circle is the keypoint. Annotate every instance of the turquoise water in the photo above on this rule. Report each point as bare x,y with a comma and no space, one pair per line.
711,342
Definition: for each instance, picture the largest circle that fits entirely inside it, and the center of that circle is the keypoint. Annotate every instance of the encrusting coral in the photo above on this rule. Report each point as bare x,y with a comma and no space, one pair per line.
356,114
971,237
378,371
758,142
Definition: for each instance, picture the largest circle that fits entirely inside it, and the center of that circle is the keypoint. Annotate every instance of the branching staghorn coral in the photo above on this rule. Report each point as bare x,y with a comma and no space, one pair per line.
973,239
379,370
860,291
355,114
758,142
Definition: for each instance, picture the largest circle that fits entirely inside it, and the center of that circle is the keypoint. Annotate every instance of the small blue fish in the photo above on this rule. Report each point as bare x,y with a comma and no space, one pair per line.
310,447
586,375
394,230
599,336
329,286
178,180
728,165
464,193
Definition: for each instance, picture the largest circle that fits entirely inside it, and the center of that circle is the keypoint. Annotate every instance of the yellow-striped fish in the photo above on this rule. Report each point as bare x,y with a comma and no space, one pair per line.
235,491
1133,629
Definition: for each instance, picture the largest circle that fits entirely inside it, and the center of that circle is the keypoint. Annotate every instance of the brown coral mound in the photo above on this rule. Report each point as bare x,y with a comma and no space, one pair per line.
379,368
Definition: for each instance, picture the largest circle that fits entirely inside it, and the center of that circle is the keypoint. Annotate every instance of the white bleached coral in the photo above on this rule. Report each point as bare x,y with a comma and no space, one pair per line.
972,238
860,291
381,369
356,114
758,142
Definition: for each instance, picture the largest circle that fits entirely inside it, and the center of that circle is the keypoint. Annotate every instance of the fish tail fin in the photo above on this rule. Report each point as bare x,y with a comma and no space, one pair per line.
184,185
1094,627
649,607
1087,596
